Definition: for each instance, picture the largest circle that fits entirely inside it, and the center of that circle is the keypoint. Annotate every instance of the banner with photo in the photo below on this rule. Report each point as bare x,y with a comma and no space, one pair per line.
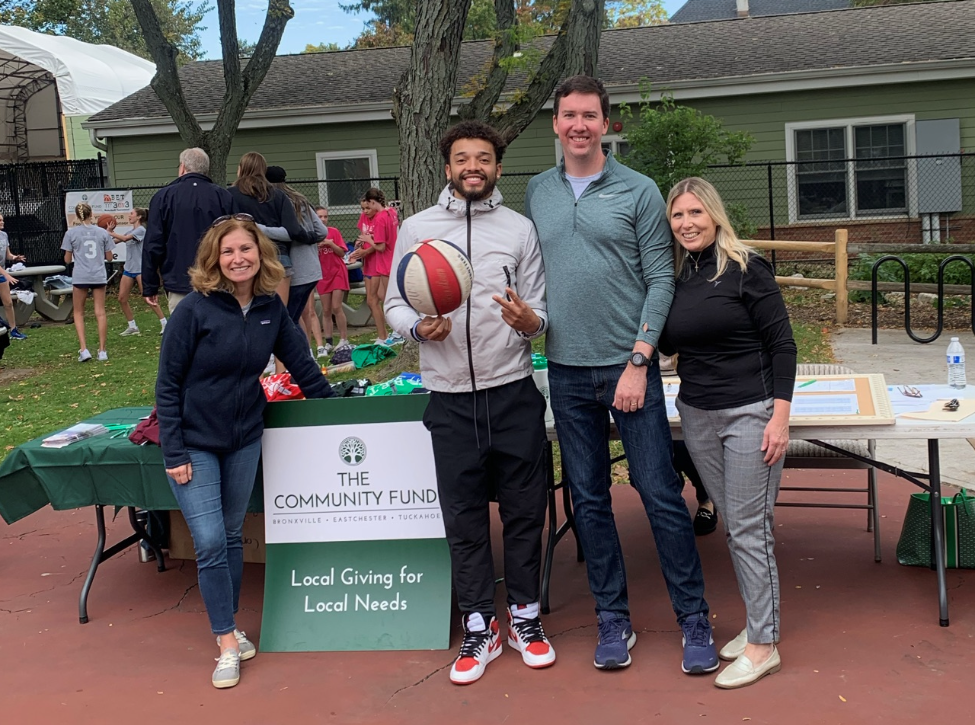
104,203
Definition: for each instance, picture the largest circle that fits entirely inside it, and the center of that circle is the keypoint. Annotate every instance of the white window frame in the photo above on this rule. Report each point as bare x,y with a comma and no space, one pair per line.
614,139
848,125
322,156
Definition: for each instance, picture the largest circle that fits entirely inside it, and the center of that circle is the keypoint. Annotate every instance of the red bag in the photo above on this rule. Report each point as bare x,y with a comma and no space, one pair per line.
147,431
279,387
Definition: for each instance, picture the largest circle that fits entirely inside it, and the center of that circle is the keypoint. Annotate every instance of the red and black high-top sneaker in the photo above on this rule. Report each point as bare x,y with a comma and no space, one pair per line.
481,645
526,635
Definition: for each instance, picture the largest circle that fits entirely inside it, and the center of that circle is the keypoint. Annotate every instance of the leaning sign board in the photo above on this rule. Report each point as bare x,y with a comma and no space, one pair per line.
356,555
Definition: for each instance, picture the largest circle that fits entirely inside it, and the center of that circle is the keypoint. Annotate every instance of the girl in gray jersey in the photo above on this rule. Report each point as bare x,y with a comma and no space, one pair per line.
132,272
89,247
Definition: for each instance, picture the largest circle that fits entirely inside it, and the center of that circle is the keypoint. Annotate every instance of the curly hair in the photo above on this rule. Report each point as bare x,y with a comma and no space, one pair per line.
472,129
374,194
206,275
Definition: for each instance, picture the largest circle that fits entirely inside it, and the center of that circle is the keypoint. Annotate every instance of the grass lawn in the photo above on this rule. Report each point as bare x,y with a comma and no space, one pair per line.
43,388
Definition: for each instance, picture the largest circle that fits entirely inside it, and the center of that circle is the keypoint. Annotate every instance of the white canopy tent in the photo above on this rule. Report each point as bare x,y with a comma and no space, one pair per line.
47,79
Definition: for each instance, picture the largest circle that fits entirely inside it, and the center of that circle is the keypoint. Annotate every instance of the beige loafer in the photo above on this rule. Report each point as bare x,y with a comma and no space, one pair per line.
735,648
742,672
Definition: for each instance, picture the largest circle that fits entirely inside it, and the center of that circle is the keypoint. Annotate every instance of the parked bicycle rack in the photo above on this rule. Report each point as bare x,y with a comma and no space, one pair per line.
907,295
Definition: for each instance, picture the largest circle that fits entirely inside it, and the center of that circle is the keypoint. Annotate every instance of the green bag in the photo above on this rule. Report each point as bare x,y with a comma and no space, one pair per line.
366,355
914,546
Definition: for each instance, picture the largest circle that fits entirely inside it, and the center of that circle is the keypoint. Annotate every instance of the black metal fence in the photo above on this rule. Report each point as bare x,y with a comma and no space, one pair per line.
32,203
902,199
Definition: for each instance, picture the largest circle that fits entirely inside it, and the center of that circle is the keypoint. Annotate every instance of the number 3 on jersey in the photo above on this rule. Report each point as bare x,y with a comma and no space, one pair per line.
91,249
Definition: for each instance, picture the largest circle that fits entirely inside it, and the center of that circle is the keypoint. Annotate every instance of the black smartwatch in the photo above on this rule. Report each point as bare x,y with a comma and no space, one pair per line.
639,360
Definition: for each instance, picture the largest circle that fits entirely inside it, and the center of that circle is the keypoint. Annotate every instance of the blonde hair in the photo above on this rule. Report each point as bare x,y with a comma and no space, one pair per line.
206,275
83,212
727,245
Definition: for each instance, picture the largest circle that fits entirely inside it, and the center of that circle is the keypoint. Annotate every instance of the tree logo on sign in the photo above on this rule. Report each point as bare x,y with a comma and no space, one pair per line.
352,450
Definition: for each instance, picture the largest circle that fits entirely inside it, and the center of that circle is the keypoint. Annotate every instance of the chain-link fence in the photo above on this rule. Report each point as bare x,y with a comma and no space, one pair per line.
906,199
32,203
897,199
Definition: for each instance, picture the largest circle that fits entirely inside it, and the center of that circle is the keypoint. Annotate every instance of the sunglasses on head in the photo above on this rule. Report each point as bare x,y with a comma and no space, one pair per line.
227,217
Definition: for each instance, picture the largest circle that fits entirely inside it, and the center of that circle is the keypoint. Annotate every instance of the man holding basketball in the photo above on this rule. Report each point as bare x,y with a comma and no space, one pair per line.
602,225
485,415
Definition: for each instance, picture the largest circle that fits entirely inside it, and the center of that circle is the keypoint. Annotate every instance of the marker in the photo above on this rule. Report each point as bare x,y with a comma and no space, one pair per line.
807,383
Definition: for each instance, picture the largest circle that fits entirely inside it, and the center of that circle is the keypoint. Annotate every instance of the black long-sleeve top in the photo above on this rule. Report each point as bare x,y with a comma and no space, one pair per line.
732,333
277,211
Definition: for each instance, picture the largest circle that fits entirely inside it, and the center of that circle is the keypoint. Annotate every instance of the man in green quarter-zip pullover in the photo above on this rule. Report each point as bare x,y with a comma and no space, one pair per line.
608,256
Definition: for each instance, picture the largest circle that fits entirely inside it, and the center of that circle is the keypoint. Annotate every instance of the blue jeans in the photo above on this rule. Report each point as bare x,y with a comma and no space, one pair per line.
582,397
214,503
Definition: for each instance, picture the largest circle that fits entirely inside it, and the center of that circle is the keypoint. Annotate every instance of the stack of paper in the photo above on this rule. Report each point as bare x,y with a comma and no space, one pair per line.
75,433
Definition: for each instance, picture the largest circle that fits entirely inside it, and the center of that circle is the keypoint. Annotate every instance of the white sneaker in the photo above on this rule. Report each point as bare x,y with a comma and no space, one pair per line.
343,343
477,651
227,673
324,350
102,356
84,356
527,636
130,331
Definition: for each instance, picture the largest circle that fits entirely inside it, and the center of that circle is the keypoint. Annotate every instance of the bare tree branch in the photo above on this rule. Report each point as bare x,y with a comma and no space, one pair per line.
575,51
166,80
505,46
229,43
239,85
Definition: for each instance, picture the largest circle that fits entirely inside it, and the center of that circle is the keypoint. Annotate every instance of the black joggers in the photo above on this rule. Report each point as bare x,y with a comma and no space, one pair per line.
490,445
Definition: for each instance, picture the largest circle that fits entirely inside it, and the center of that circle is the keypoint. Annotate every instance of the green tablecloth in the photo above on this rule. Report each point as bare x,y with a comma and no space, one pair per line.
101,470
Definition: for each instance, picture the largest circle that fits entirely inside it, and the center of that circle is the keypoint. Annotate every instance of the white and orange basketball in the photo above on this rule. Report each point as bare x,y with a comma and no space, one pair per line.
435,277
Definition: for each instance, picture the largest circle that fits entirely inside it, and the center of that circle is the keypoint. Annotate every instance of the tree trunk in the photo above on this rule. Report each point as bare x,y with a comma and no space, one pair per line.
421,102
239,85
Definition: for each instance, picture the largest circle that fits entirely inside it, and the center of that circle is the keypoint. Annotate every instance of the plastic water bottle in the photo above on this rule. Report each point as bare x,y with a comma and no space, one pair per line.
956,364
540,376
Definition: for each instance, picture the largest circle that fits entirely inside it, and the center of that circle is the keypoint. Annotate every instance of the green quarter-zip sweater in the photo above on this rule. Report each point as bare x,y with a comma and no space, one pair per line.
609,263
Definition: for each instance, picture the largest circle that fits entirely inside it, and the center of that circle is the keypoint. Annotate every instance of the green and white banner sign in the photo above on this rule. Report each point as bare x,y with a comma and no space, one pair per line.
356,556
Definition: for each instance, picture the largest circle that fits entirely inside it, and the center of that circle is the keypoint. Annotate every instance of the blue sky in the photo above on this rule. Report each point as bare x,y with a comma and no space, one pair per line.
315,21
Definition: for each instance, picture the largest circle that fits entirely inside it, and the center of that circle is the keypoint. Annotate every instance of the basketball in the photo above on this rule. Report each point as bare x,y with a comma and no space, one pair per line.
106,221
435,277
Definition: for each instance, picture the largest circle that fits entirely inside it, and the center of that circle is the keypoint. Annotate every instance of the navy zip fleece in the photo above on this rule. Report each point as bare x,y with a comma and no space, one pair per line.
208,392
609,263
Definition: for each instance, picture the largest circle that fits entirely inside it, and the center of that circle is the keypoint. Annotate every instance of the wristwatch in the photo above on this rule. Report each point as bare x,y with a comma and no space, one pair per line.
639,360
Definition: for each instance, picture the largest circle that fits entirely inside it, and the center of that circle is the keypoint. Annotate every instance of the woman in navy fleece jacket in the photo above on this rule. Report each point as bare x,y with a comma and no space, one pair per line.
210,406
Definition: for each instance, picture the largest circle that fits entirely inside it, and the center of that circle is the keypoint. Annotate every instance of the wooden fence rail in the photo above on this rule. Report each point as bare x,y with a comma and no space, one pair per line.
838,248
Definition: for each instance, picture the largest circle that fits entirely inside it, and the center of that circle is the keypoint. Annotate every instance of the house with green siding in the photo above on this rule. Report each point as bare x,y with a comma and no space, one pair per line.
860,117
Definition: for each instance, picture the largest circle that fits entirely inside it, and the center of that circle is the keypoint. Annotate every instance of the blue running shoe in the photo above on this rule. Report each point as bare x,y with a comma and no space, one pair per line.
700,655
616,639
16,334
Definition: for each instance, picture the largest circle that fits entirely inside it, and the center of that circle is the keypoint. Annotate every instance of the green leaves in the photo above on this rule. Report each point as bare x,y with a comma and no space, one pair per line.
671,142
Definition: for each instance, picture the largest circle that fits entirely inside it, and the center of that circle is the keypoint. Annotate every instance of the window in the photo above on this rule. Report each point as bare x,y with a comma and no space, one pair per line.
850,169
344,177
614,144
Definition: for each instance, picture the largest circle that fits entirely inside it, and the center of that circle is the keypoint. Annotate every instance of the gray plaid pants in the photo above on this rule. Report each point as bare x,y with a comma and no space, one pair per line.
726,448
